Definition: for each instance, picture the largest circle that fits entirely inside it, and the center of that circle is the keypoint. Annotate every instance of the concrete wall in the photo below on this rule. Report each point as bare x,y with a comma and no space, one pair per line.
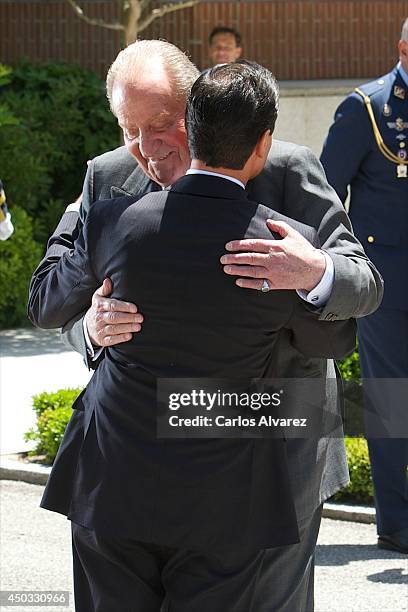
307,110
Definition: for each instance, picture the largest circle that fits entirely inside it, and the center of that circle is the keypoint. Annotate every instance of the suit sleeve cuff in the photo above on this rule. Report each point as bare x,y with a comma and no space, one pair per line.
319,296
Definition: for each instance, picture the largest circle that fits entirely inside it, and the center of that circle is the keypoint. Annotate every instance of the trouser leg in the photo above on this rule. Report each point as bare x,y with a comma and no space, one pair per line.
286,581
383,349
198,582
114,574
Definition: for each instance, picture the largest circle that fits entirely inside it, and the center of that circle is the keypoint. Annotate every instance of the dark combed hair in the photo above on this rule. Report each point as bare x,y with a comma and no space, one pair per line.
230,106
225,30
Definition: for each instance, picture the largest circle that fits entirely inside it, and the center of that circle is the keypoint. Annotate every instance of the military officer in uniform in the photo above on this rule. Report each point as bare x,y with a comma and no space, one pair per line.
367,149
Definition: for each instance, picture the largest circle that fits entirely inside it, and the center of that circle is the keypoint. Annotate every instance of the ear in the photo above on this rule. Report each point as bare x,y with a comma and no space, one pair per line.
264,144
403,49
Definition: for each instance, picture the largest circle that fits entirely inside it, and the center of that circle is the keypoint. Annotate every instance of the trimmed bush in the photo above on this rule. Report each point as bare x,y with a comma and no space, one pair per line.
53,118
53,413
19,255
360,489
6,117
350,367
63,120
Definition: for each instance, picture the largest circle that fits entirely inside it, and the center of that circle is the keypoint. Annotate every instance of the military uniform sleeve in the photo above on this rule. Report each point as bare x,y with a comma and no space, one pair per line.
348,142
358,286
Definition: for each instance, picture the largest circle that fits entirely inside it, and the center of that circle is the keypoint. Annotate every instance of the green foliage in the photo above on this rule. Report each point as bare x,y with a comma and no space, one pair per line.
5,74
53,412
353,395
6,116
63,120
360,489
350,367
19,256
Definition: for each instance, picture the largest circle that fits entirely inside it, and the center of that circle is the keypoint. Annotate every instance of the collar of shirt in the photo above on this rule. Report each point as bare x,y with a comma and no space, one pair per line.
224,176
403,74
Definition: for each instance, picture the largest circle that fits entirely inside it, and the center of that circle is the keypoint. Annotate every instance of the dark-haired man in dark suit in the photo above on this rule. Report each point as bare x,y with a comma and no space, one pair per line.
186,523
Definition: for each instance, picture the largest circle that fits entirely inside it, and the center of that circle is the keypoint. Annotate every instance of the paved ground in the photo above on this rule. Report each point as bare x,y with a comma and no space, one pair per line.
31,361
352,575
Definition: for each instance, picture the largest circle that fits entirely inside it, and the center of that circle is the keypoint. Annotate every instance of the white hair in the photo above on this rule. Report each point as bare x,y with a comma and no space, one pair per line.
404,32
141,55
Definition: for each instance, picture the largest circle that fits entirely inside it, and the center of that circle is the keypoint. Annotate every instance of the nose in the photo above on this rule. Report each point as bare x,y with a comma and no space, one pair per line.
149,143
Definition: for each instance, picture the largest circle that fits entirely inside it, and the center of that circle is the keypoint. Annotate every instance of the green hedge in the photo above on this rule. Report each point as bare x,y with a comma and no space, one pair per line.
53,412
53,118
63,120
6,116
360,489
350,367
19,256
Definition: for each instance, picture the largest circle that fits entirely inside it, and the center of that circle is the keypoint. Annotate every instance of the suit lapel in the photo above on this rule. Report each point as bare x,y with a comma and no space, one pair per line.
136,184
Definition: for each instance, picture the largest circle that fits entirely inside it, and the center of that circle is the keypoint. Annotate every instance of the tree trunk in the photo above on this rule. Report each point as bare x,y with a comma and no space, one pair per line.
134,13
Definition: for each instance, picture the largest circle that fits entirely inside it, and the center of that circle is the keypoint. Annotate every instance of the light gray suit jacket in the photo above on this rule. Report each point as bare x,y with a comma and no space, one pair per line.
293,183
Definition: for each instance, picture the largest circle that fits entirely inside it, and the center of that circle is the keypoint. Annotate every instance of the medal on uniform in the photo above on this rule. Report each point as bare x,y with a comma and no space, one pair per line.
399,92
387,110
402,171
399,124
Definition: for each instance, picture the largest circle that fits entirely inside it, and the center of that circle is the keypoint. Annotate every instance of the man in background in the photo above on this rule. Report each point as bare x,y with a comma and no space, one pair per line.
367,149
225,45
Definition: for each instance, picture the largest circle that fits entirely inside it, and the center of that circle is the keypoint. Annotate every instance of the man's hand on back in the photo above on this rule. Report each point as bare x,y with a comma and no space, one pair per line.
110,321
290,263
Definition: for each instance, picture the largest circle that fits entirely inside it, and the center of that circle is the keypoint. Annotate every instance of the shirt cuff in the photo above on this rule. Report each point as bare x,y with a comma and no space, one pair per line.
92,353
319,296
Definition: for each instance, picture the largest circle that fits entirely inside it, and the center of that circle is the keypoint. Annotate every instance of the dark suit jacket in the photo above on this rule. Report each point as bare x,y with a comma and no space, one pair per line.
293,183
163,250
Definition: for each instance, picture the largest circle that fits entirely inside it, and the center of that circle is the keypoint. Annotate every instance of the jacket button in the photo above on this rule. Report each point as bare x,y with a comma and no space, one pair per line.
370,239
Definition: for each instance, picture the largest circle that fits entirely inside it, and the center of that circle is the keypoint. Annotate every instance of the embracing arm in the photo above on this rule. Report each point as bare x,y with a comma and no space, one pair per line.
72,332
109,321
358,287
63,287
294,182
62,241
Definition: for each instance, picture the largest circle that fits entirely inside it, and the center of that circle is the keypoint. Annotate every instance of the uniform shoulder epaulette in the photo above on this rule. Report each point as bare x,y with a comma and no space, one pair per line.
366,96
373,87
